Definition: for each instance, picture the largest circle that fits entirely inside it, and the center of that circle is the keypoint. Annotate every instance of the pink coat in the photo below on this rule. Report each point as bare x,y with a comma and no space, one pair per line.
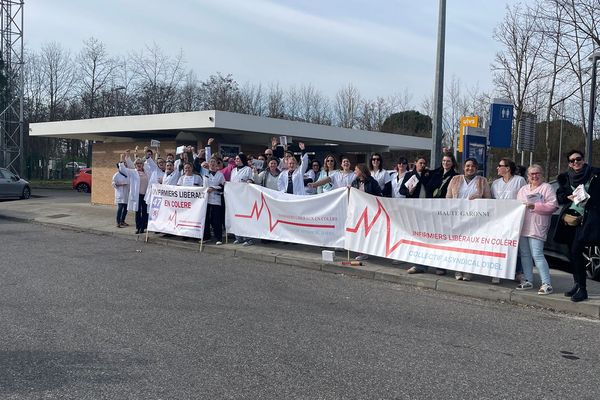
537,221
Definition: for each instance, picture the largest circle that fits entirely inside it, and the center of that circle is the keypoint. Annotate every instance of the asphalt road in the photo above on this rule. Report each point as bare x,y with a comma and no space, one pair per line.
84,316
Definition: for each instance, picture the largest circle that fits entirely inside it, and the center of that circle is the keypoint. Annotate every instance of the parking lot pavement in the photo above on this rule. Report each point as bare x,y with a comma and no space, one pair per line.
72,210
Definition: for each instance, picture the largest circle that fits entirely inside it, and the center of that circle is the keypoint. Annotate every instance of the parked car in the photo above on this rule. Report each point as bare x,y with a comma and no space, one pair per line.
11,185
560,251
83,180
75,165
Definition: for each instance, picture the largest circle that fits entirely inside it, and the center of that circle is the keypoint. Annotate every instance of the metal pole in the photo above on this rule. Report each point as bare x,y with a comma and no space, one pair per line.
562,120
590,133
438,95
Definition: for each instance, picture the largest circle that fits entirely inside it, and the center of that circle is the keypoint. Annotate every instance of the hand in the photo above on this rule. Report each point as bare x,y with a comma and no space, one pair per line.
210,190
473,197
311,185
301,145
274,142
571,197
530,206
145,149
210,141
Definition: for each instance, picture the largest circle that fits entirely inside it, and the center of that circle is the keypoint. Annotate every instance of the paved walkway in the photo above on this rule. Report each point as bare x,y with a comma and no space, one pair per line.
71,210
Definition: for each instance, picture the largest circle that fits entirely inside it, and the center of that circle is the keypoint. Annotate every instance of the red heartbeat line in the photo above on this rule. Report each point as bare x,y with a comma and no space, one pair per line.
263,204
173,218
364,219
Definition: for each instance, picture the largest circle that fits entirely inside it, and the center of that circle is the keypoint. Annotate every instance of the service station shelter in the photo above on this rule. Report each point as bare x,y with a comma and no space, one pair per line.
232,133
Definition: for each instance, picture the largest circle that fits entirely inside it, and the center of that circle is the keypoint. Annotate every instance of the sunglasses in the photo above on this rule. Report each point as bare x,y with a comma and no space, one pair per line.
574,160
375,159
329,160
500,165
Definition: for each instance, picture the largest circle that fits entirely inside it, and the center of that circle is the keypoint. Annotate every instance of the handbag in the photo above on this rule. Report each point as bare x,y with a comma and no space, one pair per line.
572,220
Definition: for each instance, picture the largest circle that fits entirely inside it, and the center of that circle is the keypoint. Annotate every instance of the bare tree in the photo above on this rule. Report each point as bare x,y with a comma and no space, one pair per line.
346,107
517,66
250,100
58,73
219,92
275,102
158,78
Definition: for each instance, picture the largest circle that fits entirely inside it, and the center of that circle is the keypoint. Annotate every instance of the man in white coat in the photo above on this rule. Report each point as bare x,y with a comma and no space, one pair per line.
120,182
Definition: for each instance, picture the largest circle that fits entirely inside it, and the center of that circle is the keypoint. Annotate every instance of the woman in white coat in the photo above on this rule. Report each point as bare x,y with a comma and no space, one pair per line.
291,180
138,185
189,178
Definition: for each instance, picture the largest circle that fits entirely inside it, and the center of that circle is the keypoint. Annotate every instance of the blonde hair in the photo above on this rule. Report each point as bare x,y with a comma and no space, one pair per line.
138,161
535,166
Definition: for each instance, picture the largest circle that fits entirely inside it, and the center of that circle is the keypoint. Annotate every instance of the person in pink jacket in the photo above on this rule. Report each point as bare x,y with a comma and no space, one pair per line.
540,199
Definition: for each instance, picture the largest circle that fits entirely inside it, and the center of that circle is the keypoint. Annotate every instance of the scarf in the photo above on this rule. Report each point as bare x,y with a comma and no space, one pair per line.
581,177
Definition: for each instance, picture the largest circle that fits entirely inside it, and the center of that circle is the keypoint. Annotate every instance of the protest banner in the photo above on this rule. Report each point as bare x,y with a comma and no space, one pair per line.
177,210
257,212
475,236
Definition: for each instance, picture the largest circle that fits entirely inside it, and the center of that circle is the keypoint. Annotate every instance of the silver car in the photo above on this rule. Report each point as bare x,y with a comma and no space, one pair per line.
12,185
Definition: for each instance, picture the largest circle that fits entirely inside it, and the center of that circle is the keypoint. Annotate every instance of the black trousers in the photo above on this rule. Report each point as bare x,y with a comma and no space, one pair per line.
578,262
213,219
141,215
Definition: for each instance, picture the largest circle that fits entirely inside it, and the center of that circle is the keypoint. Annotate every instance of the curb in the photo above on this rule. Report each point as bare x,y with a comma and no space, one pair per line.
392,275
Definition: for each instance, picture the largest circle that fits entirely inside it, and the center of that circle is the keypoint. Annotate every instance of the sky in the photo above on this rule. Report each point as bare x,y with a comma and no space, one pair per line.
382,47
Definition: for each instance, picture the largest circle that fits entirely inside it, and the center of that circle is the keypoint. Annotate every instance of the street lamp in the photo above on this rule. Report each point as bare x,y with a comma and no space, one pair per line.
590,134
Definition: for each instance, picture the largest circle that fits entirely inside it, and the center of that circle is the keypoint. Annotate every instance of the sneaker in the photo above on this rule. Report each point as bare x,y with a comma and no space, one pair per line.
361,257
124,224
236,241
466,277
248,243
219,243
525,285
120,226
545,289
458,276
415,270
496,281
440,271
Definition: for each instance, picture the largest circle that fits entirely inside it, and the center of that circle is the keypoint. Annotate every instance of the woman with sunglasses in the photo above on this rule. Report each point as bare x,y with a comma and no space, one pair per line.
381,175
329,167
578,223
397,177
312,175
340,178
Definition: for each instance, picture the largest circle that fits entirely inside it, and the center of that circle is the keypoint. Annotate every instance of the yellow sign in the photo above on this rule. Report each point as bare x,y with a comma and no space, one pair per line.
466,121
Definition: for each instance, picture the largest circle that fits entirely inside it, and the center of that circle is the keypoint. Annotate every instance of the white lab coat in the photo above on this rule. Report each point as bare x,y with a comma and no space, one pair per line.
121,185
297,178
134,183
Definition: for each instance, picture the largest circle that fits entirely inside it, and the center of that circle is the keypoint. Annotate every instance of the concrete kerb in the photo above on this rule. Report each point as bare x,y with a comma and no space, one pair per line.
380,273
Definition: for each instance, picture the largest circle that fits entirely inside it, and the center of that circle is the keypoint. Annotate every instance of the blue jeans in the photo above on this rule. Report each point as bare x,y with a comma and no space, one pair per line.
121,212
532,250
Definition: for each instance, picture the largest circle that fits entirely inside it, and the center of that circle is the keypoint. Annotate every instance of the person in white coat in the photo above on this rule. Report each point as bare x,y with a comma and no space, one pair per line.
171,176
214,180
120,182
292,179
189,178
138,185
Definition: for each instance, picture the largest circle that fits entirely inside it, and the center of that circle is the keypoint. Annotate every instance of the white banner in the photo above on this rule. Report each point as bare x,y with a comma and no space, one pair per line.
475,236
178,210
257,212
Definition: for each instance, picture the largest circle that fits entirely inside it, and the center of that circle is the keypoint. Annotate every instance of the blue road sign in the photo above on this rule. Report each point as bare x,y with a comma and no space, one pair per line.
501,125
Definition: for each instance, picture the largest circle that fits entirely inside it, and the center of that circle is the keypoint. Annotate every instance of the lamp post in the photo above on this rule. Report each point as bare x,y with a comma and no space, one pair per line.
438,95
590,134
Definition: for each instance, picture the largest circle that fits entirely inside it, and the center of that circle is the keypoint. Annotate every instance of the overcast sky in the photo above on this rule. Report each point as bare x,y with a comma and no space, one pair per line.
381,46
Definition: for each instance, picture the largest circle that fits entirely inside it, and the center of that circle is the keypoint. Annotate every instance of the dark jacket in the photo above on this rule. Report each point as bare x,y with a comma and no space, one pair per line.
371,186
589,231
420,186
439,180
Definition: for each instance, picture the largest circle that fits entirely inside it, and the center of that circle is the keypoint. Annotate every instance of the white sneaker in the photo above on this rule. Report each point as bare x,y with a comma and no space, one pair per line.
466,276
219,243
361,257
458,276
236,241
248,243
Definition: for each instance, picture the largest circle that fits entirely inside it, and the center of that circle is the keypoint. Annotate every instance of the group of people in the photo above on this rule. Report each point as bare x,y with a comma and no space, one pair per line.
278,169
